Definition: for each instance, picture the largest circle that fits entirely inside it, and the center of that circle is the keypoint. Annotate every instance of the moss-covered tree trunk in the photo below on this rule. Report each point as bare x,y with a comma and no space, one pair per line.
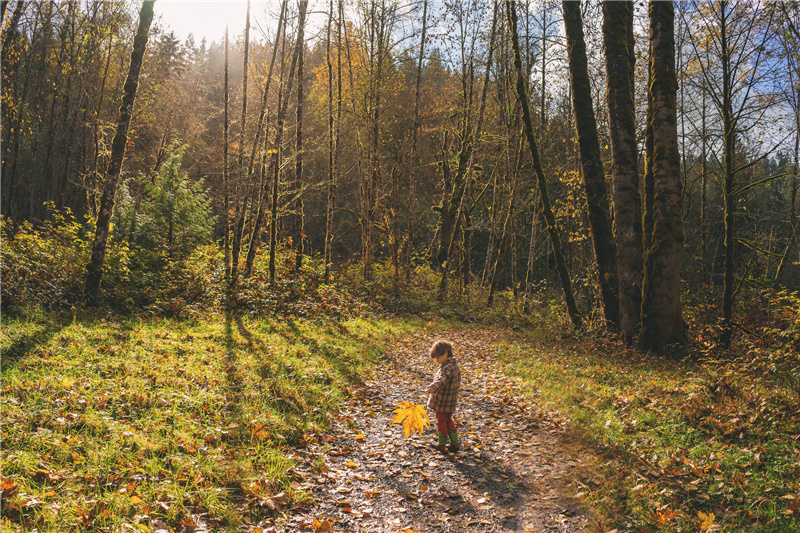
594,180
547,208
620,60
662,322
95,267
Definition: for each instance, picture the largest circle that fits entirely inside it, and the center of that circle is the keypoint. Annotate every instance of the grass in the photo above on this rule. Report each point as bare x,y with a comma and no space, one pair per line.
120,423
688,446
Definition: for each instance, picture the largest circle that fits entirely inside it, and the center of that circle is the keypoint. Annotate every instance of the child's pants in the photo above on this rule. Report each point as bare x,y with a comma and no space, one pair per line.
444,423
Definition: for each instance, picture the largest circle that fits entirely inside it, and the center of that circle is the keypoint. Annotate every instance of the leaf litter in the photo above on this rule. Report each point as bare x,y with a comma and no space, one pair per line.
518,468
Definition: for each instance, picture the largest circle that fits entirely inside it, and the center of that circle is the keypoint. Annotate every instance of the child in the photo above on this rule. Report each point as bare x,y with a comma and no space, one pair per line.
443,394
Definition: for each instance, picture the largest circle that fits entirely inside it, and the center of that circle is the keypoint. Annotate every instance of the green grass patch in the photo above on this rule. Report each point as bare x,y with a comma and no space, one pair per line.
688,445
120,423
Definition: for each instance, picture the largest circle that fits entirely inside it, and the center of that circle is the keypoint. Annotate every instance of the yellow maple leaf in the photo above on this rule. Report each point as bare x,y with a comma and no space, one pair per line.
413,417
707,520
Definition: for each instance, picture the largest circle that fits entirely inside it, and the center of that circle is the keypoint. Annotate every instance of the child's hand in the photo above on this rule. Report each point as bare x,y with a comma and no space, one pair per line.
429,391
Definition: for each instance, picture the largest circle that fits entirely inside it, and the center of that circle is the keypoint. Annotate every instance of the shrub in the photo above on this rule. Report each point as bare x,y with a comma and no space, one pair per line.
45,266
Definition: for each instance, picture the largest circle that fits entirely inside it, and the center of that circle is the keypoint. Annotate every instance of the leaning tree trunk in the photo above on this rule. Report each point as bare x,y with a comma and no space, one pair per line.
620,59
260,209
662,323
547,208
95,267
594,180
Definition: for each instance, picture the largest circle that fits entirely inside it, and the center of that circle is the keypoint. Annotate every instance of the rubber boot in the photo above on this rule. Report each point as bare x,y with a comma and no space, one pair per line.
441,446
454,447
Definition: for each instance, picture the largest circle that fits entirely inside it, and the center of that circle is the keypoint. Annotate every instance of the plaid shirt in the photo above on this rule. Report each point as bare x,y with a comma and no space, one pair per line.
445,387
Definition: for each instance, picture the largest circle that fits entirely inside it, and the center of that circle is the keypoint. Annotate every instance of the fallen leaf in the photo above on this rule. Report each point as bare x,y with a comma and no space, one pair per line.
412,417
324,526
706,520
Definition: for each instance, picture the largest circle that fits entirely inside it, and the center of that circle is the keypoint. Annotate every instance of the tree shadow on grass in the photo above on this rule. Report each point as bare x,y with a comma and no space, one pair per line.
26,345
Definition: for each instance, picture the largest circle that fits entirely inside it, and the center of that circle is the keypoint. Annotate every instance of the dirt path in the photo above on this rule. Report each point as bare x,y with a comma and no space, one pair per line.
512,474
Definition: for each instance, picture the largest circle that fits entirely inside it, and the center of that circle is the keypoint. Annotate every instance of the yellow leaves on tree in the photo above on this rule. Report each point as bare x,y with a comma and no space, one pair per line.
413,417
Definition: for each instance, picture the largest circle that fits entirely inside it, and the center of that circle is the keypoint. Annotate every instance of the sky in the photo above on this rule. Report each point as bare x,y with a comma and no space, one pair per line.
207,18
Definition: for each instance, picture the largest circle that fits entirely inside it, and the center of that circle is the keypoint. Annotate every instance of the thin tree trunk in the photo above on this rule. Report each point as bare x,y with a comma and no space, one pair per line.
470,146
95,267
414,163
552,229
260,130
276,166
331,152
299,223
703,185
501,252
662,323
594,179
729,140
620,61
225,180
243,125
787,271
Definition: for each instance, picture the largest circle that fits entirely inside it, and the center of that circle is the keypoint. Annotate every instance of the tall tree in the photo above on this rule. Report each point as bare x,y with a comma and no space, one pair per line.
331,197
276,160
662,322
95,267
549,216
414,159
594,180
298,222
618,42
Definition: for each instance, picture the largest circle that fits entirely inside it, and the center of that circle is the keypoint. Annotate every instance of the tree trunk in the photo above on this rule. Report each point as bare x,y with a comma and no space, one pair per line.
95,267
276,166
331,151
501,252
552,229
243,125
299,222
662,323
620,59
225,177
594,179
729,142
260,129
414,163
463,181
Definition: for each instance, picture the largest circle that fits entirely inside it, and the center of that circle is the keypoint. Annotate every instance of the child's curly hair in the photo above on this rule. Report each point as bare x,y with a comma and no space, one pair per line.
441,347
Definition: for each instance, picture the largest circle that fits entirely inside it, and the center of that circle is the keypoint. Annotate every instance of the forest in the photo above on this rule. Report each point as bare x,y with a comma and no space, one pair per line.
562,185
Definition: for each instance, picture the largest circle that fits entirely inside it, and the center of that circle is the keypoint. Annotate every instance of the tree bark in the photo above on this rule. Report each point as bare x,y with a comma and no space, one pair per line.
552,229
260,130
620,59
330,204
662,323
95,267
298,224
414,164
594,180
276,166
225,177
